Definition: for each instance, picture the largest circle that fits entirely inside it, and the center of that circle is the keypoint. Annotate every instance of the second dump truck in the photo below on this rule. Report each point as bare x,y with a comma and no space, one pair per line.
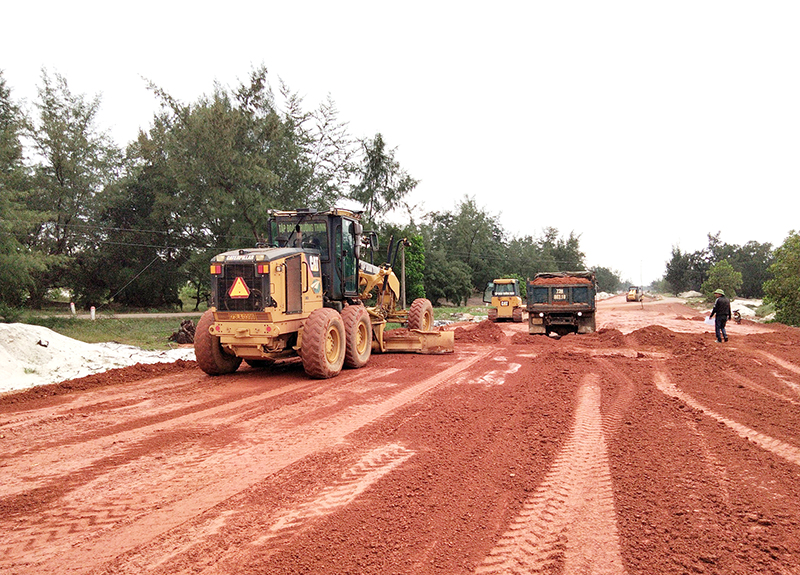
307,292
562,302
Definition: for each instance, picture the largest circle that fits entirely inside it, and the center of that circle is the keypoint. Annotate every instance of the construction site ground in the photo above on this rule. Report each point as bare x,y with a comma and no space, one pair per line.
645,448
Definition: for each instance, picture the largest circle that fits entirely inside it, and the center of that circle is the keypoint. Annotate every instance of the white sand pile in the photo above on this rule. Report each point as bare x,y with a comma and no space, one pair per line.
32,355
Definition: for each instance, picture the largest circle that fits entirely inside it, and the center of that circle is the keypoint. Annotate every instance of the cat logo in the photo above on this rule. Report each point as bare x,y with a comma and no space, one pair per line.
239,289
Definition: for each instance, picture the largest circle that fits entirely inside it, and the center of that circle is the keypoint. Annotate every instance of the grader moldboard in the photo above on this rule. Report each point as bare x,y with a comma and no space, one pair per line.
303,294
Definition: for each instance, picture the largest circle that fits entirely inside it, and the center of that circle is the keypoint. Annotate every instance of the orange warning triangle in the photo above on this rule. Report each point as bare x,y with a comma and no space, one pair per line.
239,289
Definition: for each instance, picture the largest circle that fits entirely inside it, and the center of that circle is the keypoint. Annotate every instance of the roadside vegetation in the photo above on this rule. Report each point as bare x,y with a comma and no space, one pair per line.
133,227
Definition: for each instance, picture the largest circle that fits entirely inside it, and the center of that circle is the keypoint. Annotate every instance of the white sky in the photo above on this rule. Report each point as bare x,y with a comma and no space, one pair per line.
639,125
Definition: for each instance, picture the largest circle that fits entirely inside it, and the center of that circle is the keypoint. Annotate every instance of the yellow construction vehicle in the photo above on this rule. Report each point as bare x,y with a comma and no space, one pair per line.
503,295
634,293
303,294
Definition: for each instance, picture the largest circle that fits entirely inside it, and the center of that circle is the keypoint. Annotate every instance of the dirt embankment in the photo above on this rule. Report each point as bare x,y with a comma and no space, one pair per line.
643,448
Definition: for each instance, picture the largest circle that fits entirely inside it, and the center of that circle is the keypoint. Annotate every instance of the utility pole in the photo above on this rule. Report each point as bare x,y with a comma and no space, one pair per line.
403,276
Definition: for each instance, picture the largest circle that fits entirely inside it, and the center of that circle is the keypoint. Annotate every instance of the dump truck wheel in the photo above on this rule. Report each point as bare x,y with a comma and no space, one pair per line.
357,335
420,315
516,315
323,343
493,314
209,353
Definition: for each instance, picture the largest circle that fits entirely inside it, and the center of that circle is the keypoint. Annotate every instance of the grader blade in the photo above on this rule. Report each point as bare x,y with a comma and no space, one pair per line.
418,341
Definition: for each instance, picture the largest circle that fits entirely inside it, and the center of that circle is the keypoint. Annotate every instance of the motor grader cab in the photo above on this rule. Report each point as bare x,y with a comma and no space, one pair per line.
303,294
505,300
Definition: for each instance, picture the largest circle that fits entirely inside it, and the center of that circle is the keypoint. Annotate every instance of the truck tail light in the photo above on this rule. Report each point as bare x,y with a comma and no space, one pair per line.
216,269
263,269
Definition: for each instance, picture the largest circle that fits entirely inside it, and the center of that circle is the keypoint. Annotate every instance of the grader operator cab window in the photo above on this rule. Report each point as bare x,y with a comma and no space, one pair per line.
312,234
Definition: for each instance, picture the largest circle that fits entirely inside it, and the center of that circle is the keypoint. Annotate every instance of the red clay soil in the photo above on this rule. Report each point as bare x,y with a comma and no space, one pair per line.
639,449
561,280
483,332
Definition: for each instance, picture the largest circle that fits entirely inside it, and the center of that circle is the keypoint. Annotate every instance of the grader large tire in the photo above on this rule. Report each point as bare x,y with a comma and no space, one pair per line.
357,335
492,314
516,314
209,353
323,346
420,315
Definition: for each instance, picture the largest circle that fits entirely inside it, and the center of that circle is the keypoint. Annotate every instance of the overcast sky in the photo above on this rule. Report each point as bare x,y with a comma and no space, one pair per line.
639,125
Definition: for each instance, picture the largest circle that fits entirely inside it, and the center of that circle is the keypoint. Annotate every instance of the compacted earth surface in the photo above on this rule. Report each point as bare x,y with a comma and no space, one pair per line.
644,448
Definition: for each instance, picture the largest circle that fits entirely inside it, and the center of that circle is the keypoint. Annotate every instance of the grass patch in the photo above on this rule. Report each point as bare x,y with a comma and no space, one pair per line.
765,309
449,312
146,333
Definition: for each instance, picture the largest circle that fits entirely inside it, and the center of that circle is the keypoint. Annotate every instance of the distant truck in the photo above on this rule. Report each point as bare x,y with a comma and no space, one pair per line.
562,303
503,295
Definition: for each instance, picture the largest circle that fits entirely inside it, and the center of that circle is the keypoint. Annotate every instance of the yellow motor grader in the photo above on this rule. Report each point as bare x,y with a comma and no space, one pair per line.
304,294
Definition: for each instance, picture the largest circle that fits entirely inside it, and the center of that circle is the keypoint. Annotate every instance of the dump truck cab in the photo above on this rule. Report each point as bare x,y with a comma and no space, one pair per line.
504,297
562,303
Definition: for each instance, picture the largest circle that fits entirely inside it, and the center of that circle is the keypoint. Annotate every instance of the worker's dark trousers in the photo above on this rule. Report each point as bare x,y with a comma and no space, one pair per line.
719,328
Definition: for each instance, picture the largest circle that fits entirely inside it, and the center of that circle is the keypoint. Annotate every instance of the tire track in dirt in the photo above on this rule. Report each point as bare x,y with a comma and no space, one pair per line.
750,384
369,469
780,448
788,366
353,482
498,376
571,517
169,498
36,470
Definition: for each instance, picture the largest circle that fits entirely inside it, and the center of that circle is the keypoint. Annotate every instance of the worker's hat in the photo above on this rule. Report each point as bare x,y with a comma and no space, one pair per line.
719,291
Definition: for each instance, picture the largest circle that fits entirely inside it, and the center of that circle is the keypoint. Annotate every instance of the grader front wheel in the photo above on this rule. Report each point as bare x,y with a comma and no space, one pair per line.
209,353
358,336
420,315
323,343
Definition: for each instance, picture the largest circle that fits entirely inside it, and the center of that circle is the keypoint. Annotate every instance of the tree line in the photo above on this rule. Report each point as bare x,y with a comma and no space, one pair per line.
134,226
753,270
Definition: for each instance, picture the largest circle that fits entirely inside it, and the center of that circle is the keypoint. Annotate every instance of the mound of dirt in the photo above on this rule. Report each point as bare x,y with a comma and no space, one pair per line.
117,376
611,337
654,335
484,332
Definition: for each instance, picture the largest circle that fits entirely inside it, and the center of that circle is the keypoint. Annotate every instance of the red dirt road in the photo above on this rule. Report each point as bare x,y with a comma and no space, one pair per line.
645,448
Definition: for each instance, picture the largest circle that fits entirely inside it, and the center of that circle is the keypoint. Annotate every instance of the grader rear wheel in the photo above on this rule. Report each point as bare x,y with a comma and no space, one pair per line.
492,314
357,335
209,353
323,343
420,315
516,314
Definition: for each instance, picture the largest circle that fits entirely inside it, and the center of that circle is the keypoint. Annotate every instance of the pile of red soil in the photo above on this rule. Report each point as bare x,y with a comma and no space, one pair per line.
654,335
484,332
611,337
118,376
